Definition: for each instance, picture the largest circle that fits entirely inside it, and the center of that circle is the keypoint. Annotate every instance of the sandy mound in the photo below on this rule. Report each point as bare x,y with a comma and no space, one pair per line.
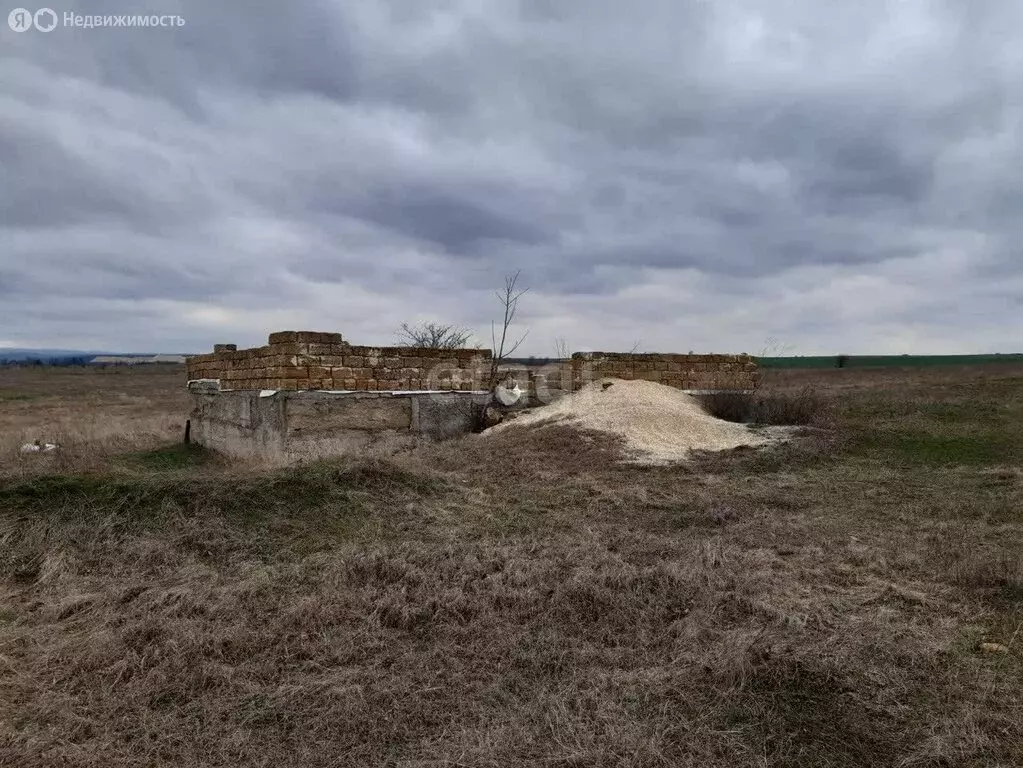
659,424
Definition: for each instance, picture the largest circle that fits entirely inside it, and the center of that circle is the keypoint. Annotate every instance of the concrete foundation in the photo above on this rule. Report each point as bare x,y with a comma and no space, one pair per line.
308,424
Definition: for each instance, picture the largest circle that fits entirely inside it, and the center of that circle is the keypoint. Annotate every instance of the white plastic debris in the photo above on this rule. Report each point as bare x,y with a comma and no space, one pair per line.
38,447
508,392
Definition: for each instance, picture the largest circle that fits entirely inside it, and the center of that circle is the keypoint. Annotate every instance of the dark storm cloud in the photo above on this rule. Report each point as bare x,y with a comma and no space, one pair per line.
456,225
57,188
829,173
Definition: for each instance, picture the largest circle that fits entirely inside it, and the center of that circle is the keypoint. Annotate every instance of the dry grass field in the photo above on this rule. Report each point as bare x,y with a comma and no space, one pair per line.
851,599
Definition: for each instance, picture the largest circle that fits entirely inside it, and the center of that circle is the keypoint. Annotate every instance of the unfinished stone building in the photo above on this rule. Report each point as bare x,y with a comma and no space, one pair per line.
307,393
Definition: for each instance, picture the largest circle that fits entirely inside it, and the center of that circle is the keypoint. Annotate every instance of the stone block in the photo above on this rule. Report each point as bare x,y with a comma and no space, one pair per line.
294,372
319,372
288,348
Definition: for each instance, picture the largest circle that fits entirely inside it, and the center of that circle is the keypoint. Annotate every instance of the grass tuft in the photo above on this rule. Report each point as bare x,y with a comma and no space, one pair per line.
169,457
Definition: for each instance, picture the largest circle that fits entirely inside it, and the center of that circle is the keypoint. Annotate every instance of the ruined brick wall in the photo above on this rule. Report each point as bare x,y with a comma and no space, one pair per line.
302,360
682,371
306,360
690,372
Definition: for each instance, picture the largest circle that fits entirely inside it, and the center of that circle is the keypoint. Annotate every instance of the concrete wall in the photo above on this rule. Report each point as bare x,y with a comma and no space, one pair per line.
289,424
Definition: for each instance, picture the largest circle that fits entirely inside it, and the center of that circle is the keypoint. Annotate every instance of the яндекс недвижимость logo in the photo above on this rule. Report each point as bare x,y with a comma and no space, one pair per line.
46,20
22,19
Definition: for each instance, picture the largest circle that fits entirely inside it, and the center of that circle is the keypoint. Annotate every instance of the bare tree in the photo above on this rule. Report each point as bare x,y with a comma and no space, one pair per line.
561,349
434,336
509,299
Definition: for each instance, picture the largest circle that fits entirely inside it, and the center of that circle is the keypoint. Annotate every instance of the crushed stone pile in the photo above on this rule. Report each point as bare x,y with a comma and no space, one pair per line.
659,424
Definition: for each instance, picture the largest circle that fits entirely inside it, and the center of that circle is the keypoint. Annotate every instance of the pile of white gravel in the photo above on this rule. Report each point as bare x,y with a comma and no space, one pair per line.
659,424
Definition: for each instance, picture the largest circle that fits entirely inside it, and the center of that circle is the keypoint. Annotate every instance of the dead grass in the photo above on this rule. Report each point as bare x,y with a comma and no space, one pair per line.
525,599
92,414
779,408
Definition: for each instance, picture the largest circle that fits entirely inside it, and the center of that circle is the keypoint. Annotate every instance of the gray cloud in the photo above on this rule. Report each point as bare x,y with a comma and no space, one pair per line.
692,175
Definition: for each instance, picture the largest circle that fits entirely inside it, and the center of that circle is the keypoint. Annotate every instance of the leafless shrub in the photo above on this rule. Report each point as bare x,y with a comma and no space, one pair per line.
434,336
738,407
804,407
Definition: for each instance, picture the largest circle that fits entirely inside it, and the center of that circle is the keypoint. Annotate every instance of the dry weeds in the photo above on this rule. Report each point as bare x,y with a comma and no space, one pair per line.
526,599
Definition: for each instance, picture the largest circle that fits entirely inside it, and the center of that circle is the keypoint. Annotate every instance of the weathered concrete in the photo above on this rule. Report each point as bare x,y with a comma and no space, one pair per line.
313,414
306,424
242,424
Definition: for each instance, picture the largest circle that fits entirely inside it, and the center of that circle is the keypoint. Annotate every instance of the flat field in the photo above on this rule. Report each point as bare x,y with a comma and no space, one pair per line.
852,599
890,361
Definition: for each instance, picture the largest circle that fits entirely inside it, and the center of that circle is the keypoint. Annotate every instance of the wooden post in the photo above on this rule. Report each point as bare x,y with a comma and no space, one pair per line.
188,431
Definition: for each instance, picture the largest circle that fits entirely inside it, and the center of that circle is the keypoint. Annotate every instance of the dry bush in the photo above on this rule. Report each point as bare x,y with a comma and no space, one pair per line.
805,407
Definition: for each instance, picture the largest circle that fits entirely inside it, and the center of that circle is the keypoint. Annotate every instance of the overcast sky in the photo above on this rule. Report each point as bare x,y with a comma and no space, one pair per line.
798,176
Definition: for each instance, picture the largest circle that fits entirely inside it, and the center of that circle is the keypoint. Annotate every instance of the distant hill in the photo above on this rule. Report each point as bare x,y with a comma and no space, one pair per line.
135,359
17,355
